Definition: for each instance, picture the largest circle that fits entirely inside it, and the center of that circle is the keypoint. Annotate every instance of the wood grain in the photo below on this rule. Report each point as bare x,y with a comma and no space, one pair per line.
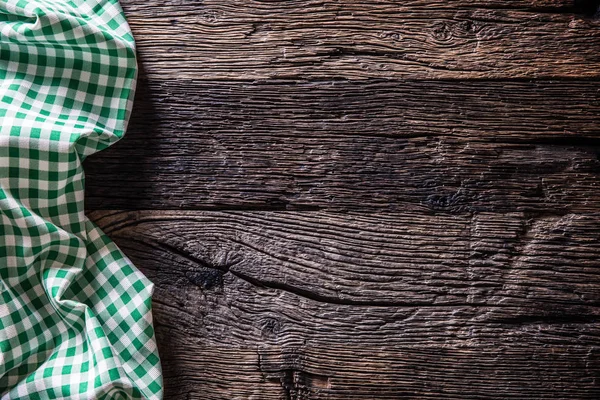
522,111
345,173
364,199
325,305
500,370
382,144
228,39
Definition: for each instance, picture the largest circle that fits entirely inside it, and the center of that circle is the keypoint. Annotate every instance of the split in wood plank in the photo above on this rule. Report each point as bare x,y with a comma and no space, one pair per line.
325,305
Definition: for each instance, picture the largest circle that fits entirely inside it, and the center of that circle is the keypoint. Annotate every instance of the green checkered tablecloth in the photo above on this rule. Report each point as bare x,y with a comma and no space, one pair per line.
75,314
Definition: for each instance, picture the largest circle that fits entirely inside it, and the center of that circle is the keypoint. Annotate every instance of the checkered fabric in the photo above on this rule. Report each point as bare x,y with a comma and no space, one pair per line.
75,314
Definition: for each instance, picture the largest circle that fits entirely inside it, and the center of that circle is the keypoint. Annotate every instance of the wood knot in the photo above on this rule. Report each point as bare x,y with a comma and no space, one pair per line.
468,26
270,327
206,278
209,272
448,31
442,32
392,36
448,202
209,16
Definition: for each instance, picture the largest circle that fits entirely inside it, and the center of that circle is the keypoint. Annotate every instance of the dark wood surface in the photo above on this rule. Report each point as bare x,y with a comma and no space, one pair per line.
364,200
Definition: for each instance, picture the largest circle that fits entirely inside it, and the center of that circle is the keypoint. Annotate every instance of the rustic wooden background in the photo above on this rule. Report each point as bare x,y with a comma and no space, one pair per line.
376,199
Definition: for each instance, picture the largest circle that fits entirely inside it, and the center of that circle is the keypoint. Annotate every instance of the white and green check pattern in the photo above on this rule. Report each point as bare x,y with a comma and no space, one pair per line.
75,314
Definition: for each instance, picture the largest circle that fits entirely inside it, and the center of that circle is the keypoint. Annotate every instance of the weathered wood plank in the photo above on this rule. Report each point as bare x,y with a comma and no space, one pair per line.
228,39
380,260
342,372
480,278
324,305
344,173
396,259
347,145
504,110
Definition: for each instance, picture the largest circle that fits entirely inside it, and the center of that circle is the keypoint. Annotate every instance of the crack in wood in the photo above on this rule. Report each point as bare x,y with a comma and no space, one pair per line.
297,384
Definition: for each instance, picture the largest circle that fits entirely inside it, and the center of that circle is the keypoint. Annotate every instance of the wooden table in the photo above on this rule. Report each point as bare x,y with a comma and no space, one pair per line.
373,199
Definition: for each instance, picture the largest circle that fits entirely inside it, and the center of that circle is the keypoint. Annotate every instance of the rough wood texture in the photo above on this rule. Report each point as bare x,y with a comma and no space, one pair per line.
346,306
430,145
346,173
365,200
503,110
229,39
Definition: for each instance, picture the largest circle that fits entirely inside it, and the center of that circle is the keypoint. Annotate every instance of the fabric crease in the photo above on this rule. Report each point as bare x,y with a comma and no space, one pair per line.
75,313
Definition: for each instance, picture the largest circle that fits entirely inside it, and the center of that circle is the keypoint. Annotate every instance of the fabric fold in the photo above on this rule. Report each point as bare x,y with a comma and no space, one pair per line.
75,313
